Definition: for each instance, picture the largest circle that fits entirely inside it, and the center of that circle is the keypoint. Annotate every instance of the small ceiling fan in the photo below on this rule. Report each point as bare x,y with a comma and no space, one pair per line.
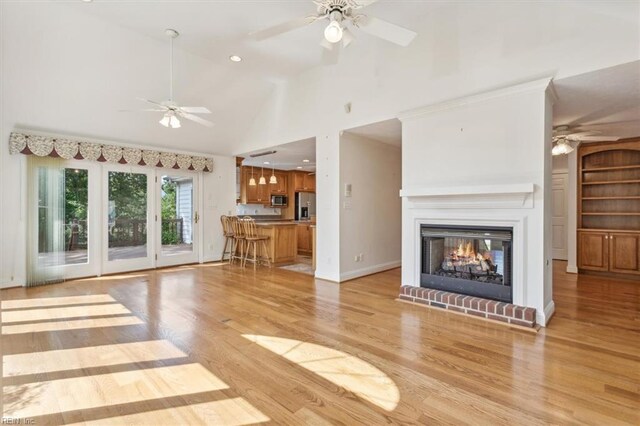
564,136
341,15
172,111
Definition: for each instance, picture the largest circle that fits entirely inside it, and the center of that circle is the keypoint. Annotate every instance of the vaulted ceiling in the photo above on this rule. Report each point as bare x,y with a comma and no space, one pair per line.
69,67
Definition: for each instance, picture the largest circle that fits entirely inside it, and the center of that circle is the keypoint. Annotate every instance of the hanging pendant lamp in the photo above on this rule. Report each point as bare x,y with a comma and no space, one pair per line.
252,181
273,180
263,181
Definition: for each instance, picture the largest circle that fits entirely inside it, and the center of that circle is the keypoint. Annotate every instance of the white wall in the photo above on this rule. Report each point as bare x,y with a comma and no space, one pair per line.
328,205
498,138
371,219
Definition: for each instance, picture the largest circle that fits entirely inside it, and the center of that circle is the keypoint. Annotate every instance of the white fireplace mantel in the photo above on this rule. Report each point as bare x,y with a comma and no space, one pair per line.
516,195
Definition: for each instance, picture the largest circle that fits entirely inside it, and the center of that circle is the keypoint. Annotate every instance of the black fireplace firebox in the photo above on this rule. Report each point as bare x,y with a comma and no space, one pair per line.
476,261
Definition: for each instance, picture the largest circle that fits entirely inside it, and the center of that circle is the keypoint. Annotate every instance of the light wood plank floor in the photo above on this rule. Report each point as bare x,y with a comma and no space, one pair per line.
211,344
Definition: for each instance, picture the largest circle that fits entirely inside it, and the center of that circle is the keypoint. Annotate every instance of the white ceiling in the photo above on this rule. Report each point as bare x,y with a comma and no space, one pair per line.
388,131
606,100
216,29
287,157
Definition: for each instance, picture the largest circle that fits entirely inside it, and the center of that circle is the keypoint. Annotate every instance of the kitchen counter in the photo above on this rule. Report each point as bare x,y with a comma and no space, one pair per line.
282,242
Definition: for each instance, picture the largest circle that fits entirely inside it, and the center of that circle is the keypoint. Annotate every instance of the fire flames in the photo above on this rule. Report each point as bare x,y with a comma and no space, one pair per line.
466,252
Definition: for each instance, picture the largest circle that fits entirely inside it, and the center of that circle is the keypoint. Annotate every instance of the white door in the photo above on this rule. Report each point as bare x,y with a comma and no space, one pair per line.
67,194
128,204
559,215
177,220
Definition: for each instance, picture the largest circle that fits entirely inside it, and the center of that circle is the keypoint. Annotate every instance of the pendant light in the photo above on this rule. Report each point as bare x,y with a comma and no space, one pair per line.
263,181
252,181
273,180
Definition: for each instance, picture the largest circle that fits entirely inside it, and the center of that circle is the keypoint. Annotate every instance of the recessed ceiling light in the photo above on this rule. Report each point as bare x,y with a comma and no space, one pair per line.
235,58
87,1
305,161
299,167
266,162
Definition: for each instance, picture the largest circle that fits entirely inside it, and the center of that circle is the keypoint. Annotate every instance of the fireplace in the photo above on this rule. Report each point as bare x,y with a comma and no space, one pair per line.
475,261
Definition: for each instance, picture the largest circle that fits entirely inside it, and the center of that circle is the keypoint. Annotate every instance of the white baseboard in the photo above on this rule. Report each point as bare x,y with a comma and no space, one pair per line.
572,269
369,270
542,318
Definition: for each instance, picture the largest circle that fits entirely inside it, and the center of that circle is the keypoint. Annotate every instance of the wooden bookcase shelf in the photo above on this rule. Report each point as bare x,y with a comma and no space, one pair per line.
611,182
609,207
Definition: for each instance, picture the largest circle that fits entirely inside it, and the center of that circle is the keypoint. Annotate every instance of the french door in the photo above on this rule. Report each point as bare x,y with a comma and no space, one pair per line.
64,229
177,220
128,206
90,219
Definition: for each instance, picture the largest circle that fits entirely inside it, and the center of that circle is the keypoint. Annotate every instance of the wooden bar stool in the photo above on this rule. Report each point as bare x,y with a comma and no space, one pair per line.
237,249
227,231
253,239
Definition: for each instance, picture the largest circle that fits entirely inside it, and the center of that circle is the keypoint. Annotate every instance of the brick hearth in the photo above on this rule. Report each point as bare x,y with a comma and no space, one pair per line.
490,309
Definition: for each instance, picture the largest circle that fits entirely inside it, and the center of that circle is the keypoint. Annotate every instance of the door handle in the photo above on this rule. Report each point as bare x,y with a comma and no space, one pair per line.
197,217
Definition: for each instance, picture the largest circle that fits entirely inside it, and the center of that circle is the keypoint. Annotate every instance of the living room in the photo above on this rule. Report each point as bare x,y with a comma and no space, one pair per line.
475,249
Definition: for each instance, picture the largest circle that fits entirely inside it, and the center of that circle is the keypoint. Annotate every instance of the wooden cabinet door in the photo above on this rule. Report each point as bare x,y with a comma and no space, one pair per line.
309,182
298,181
304,238
280,188
593,251
264,194
623,253
249,193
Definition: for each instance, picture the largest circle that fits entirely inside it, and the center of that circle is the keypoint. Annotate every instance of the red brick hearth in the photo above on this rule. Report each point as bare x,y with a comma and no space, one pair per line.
490,309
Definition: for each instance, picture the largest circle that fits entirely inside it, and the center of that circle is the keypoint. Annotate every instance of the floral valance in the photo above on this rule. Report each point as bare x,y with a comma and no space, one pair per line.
44,146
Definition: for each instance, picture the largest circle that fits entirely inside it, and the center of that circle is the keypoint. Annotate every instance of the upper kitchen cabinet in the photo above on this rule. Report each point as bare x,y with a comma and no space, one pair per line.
279,188
304,181
261,194
253,194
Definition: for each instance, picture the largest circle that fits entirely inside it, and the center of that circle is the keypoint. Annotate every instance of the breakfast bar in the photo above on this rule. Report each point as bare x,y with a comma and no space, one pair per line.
282,242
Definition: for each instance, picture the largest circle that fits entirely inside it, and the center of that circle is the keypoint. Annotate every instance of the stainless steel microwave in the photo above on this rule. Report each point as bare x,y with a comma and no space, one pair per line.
278,200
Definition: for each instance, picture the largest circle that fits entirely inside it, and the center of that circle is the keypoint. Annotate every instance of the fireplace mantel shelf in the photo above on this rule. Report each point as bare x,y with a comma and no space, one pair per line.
515,195
450,191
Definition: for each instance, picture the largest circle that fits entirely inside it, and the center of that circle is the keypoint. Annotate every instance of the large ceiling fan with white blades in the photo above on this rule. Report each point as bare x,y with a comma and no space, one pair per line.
565,138
172,112
342,14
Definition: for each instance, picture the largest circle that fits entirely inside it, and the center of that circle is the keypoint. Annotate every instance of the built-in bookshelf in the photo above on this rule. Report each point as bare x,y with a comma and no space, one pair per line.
609,186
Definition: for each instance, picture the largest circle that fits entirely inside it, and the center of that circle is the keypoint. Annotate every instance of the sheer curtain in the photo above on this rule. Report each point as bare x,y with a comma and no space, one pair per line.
46,220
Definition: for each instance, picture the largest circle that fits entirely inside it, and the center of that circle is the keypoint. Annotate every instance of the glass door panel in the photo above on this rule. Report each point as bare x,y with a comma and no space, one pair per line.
63,236
128,211
178,219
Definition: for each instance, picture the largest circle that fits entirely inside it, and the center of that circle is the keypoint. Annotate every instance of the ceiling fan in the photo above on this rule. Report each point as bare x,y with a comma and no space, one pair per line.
172,111
564,136
341,15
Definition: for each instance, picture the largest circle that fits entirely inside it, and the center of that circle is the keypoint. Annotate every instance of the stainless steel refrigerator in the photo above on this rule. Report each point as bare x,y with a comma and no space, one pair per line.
305,205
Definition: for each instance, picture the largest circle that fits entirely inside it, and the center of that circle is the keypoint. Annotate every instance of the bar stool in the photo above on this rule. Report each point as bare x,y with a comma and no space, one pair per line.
227,231
253,239
238,240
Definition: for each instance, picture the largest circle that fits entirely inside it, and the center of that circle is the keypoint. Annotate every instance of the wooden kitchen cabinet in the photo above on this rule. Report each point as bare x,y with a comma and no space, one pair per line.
304,182
279,188
261,194
594,251
304,238
258,194
623,257
617,252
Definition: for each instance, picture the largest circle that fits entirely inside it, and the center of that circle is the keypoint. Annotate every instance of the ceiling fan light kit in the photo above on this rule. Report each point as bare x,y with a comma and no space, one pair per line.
565,135
342,15
172,111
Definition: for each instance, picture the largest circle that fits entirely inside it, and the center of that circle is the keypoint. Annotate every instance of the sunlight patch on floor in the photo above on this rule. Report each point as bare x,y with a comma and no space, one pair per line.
228,412
88,357
56,301
80,393
67,312
71,325
342,369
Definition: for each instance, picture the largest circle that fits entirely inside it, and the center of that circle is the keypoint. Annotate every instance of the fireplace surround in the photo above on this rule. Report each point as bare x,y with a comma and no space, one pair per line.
473,261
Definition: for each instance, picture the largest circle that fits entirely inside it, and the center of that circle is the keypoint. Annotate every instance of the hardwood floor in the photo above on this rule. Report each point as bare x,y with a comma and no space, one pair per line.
215,344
